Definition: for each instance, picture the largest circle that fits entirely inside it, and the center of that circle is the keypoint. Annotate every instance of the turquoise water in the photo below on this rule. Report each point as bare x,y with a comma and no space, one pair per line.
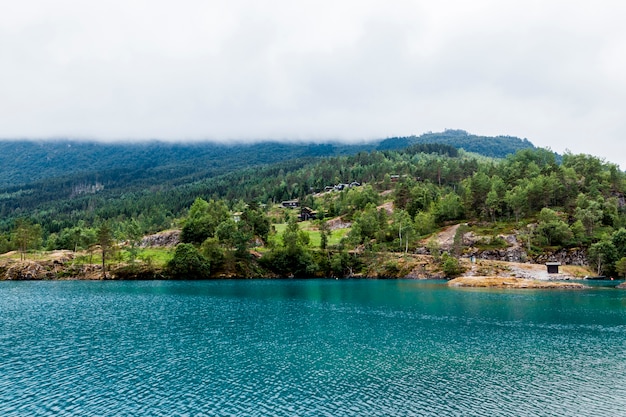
309,348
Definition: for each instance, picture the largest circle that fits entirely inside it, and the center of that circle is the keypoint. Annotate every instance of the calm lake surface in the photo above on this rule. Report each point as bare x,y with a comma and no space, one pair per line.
309,348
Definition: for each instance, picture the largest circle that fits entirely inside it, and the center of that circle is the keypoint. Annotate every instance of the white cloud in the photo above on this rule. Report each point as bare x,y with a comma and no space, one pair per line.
548,71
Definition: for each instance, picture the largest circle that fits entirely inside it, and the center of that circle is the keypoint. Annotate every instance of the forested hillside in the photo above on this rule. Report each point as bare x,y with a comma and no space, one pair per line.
542,205
370,203
25,162
59,181
496,147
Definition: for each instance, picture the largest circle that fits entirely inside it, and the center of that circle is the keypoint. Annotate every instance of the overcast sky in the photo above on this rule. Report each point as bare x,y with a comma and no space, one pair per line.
553,72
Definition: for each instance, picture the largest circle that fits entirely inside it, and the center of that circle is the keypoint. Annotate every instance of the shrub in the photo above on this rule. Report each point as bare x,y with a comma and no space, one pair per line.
188,263
451,266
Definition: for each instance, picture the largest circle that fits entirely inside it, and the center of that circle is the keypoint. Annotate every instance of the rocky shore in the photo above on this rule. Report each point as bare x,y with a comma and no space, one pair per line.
67,265
511,282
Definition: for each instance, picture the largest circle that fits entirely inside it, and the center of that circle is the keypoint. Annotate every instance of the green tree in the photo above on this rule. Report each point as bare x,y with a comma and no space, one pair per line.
620,267
243,236
213,252
188,263
479,185
552,229
424,223
619,241
324,234
225,232
293,258
603,256
434,249
203,219
578,232
104,237
366,225
516,200
133,236
589,212
25,236
451,266
449,207
290,237
256,220
340,264
71,238
403,228
492,205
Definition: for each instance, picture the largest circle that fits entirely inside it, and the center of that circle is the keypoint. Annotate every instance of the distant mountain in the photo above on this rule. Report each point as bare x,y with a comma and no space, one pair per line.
496,147
80,163
24,162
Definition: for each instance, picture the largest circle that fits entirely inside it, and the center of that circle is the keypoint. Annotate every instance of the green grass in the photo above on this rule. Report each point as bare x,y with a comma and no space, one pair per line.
314,234
492,229
158,255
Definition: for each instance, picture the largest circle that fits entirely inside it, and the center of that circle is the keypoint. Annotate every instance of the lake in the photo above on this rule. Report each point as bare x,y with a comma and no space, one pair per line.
309,348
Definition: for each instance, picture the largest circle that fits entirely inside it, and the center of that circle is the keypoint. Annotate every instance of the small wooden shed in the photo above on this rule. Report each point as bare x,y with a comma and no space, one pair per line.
553,267
306,213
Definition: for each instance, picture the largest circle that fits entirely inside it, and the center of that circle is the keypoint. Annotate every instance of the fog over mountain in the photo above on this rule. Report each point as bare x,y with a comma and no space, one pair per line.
244,70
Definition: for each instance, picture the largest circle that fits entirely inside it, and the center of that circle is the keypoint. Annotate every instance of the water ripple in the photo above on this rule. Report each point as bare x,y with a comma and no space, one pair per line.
306,349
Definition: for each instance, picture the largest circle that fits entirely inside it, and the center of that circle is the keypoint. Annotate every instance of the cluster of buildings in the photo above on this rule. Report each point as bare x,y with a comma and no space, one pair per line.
340,187
306,213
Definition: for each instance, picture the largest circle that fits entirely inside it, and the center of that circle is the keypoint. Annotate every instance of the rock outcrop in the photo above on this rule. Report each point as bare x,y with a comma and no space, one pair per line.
516,252
509,282
28,270
167,239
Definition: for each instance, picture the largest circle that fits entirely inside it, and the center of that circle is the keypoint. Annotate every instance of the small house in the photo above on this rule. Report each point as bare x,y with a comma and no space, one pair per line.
553,267
290,204
306,213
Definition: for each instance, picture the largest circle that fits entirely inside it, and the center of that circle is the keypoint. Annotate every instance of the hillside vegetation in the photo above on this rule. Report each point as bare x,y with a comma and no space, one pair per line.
496,147
60,182
370,208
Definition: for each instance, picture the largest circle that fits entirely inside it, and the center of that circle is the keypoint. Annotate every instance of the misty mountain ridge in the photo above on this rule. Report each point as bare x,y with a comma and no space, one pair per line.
124,164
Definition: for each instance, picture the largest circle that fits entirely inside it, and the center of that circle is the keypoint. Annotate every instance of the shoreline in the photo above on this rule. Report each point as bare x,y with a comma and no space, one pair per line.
511,282
61,266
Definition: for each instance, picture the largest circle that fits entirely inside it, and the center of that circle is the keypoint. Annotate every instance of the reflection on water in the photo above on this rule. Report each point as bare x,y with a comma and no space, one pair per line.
316,347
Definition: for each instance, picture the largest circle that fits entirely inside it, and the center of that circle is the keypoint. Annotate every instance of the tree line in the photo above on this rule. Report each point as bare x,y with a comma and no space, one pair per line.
554,202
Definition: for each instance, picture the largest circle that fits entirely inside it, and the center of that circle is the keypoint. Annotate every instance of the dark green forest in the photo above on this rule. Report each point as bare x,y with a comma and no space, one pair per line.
128,165
496,147
58,183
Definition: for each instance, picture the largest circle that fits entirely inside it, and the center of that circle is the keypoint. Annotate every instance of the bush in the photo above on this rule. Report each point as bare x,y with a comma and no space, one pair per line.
188,263
290,264
451,266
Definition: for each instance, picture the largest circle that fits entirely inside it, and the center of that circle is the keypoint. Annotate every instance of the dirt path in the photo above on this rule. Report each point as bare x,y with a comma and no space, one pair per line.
445,238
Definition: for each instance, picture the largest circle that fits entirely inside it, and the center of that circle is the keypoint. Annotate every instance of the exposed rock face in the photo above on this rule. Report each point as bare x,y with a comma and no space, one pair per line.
517,253
338,223
574,256
508,255
44,270
27,270
166,239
